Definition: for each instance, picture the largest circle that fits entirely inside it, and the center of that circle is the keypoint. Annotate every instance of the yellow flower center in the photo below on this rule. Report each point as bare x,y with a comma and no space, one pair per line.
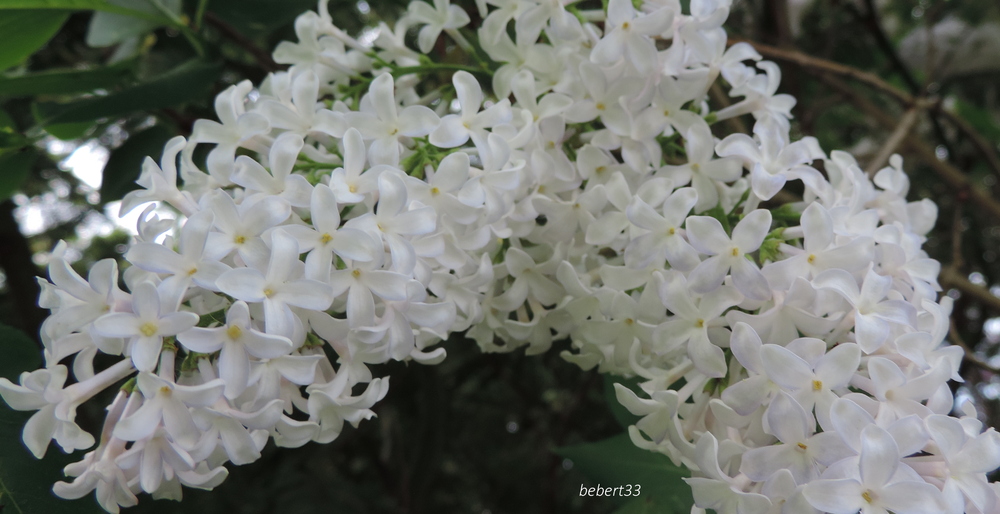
268,292
812,258
700,323
325,238
239,240
352,188
148,329
735,251
672,231
802,446
867,495
435,191
600,106
234,332
166,390
192,271
817,385
629,321
356,273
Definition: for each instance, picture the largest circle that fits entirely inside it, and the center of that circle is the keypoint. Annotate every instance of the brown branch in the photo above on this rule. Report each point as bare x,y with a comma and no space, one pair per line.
957,261
20,272
900,133
951,278
978,140
260,55
871,19
815,63
821,66
719,96
948,172
969,356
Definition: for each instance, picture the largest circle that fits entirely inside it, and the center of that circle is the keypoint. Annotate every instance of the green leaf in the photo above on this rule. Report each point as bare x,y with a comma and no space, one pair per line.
25,482
66,81
182,84
125,162
981,119
718,213
69,131
259,16
624,417
769,248
15,166
19,352
785,213
6,122
26,31
82,5
617,462
109,28
639,506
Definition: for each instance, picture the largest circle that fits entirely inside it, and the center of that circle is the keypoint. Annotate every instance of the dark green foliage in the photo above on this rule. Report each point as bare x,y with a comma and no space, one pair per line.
125,163
26,483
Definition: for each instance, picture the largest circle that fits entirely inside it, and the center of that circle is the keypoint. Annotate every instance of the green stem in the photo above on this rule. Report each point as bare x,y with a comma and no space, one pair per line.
178,23
199,13
406,70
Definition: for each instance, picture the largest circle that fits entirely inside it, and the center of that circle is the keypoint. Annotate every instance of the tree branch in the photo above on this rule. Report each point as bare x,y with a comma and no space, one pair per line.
951,278
816,65
948,172
261,56
20,270
969,357
895,139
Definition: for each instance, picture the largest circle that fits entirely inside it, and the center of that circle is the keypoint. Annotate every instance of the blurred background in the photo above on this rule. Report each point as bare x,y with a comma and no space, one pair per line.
85,96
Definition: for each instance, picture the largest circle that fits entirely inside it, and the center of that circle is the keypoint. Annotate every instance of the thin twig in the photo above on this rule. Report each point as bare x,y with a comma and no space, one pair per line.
957,230
872,19
736,123
262,57
948,172
969,357
987,150
952,279
895,139
815,64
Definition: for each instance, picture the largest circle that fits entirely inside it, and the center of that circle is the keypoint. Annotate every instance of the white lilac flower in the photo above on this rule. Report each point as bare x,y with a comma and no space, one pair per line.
562,191
279,288
729,254
150,321
236,341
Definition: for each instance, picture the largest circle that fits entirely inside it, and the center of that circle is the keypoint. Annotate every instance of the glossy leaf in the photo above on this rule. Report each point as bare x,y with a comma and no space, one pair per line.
111,28
15,166
25,31
125,162
617,462
69,131
66,81
259,16
81,5
26,483
187,82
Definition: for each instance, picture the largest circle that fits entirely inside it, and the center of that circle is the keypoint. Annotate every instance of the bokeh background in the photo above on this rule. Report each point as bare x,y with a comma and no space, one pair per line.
85,96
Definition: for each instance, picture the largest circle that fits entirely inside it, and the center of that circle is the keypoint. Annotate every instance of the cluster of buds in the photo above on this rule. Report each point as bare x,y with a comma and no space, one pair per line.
362,205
